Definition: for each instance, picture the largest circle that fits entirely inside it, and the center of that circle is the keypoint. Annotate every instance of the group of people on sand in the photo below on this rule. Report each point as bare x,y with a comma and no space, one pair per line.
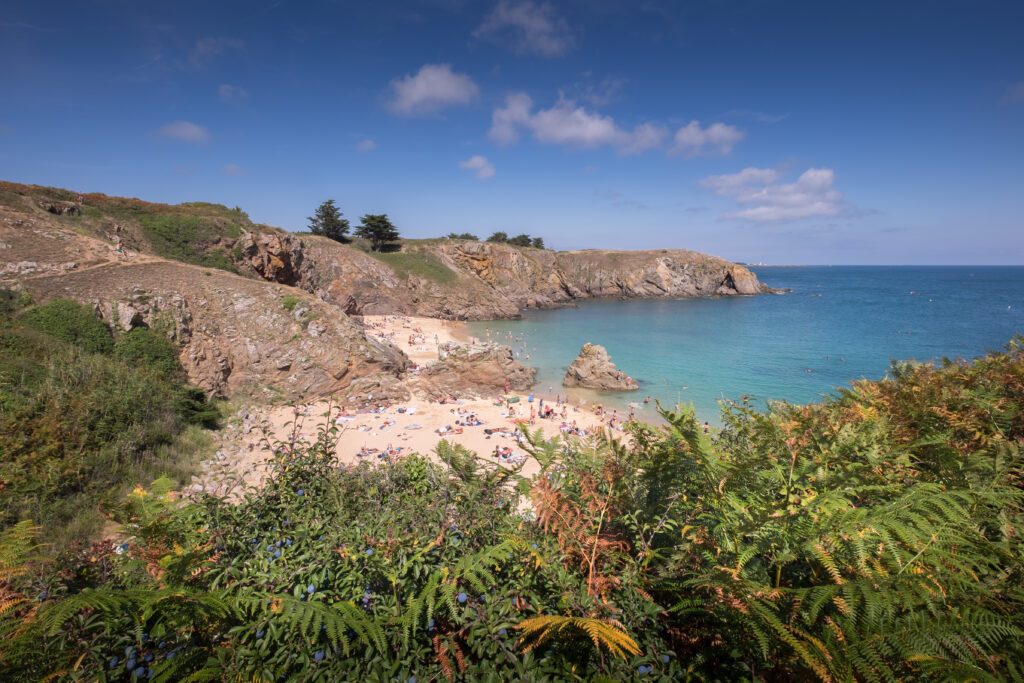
507,455
389,452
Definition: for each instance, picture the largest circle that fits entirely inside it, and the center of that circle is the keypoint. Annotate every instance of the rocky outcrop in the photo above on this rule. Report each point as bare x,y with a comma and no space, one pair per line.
274,256
593,369
59,208
490,281
478,369
236,335
447,278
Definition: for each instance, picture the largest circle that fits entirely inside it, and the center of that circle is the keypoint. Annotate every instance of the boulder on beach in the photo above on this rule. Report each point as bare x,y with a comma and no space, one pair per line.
481,369
594,369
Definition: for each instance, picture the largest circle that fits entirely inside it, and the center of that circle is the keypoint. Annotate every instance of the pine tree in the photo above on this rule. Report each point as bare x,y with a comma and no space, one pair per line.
377,228
328,222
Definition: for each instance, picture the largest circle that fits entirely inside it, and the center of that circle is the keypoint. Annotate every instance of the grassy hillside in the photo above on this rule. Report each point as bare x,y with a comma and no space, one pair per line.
84,416
195,232
875,536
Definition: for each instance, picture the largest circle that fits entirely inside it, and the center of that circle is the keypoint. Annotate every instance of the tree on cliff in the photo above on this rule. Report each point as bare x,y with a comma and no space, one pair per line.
537,243
500,237
377,228
522,240
463,236
328,222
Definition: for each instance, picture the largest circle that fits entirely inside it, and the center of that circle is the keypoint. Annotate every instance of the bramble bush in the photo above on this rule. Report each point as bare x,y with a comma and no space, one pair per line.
874,536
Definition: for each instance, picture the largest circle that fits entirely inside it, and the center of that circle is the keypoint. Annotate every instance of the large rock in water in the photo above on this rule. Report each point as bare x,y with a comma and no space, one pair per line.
594,369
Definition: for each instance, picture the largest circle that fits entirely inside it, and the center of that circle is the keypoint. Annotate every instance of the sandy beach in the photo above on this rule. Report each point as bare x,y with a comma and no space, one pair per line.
486,426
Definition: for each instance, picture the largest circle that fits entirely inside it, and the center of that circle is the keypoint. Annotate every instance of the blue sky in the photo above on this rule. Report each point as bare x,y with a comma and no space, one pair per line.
782,132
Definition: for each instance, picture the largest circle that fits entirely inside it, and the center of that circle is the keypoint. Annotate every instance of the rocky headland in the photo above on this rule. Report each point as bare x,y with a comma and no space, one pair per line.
259,311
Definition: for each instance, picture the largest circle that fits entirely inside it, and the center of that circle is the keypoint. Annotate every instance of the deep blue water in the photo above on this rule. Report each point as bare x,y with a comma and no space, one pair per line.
838,324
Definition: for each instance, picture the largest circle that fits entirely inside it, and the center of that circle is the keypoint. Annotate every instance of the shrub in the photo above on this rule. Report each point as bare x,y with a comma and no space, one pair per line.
12,301
76,426
71,322
142,347
870,537
289,302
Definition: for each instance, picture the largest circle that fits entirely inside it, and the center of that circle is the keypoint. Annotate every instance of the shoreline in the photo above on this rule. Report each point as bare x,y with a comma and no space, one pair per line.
487,426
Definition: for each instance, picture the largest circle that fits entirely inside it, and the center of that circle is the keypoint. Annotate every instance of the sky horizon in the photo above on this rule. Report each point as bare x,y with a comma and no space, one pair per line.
792,133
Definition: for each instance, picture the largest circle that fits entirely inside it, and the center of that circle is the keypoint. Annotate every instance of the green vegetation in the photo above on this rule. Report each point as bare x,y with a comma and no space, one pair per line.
189,239
522,240
328,222
71,322
378,229
417,262
83,417
463,236
872,537
200,233
142,347
289,302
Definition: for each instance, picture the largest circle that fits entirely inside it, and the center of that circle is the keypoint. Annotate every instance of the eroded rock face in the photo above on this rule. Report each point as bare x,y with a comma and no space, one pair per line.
60,208
491,281
479,369
274,256
593,369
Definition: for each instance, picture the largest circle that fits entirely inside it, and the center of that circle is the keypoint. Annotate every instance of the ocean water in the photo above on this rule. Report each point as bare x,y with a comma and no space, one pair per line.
838,324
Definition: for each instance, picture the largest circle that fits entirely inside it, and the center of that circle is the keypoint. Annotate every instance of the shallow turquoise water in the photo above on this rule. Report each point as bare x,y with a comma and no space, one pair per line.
838,324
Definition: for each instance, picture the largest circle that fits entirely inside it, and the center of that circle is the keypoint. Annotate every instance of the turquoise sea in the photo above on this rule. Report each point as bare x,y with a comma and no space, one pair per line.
838,324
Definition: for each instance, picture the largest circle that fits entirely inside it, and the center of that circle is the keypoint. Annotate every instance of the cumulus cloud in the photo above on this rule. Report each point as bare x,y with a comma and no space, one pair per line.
567,123
185,131
207,49
433,87
482,168
1014,93
718,138
367,145
234,170
762,197
231,93
525,26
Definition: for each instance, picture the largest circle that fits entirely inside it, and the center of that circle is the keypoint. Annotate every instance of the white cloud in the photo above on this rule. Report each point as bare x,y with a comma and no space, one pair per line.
566,123
367,145
231,93
433,87
692,140
763,198
1014,93
482,167
234,170
527,26
185,131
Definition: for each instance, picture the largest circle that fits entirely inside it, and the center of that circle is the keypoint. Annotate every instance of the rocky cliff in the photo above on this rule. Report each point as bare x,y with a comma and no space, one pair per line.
254,308
235,334
465,280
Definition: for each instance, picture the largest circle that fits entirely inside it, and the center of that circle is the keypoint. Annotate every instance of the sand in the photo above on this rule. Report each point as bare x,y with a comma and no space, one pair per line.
415,426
